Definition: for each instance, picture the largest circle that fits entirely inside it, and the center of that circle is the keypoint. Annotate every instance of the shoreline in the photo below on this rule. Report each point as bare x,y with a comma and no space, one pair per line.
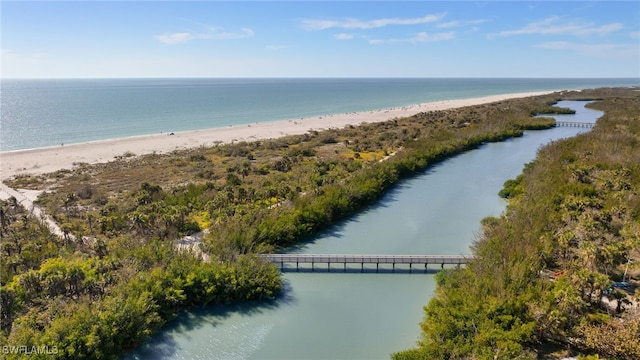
50,159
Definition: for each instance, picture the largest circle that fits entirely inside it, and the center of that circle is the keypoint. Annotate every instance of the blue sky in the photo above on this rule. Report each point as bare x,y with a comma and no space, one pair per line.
80,39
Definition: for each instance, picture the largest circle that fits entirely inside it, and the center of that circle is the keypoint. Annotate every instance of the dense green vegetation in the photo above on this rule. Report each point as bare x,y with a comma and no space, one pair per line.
118,273
94,300
543,272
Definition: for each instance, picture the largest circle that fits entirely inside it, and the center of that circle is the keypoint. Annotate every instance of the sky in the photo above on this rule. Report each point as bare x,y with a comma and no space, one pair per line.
123,39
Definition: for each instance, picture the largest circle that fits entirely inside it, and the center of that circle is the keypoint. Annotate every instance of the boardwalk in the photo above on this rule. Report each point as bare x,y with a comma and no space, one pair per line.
345,259
574,124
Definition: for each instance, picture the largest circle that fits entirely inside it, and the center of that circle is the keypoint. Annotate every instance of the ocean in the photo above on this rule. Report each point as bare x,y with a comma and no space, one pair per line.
43,113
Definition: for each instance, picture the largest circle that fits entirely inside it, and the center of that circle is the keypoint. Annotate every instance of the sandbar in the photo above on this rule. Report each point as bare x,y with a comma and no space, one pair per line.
50,159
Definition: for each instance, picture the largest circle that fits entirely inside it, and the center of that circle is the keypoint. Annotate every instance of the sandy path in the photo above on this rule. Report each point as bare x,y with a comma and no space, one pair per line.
26,199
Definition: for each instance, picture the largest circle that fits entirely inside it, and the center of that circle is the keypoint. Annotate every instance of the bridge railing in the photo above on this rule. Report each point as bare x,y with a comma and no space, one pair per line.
366,259
574,124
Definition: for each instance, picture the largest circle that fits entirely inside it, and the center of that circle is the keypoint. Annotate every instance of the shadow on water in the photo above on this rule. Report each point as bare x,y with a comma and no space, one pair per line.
163,344
388,199
320,269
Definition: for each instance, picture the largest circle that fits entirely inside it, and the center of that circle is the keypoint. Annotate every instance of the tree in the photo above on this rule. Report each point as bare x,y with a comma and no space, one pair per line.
245,170
66,228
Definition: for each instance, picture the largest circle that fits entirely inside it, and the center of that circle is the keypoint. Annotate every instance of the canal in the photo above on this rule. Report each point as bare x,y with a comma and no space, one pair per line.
366,315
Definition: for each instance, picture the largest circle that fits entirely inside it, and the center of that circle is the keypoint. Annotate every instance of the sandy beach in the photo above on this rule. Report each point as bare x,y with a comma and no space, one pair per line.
45,160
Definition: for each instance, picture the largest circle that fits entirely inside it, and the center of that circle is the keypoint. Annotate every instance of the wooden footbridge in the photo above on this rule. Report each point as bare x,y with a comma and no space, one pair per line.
575,124
344,259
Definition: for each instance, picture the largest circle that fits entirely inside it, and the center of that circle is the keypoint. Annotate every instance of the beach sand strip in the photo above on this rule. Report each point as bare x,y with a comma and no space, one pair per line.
50,159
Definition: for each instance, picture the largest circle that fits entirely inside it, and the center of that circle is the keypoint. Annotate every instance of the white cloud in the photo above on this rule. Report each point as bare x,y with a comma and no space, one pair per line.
554,25
210,34
353,23
421,37
275,47
344,36
174,38
459,23
594,50
634,34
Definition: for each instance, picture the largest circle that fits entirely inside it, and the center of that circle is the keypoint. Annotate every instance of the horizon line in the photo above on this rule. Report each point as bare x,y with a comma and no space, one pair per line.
314,77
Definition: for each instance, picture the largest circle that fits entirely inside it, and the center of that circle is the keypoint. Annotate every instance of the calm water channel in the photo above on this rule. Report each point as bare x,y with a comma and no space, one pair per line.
366,315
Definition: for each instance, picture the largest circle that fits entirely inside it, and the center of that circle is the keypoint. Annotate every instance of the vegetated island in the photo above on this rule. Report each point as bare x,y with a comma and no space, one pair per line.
120,268
557,274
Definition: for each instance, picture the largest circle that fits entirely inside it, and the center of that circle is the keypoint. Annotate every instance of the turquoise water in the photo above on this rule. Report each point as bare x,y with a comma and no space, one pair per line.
41,113
367,315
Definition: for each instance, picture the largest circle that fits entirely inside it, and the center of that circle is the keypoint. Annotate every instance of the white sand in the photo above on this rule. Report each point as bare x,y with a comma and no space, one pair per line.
45,160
